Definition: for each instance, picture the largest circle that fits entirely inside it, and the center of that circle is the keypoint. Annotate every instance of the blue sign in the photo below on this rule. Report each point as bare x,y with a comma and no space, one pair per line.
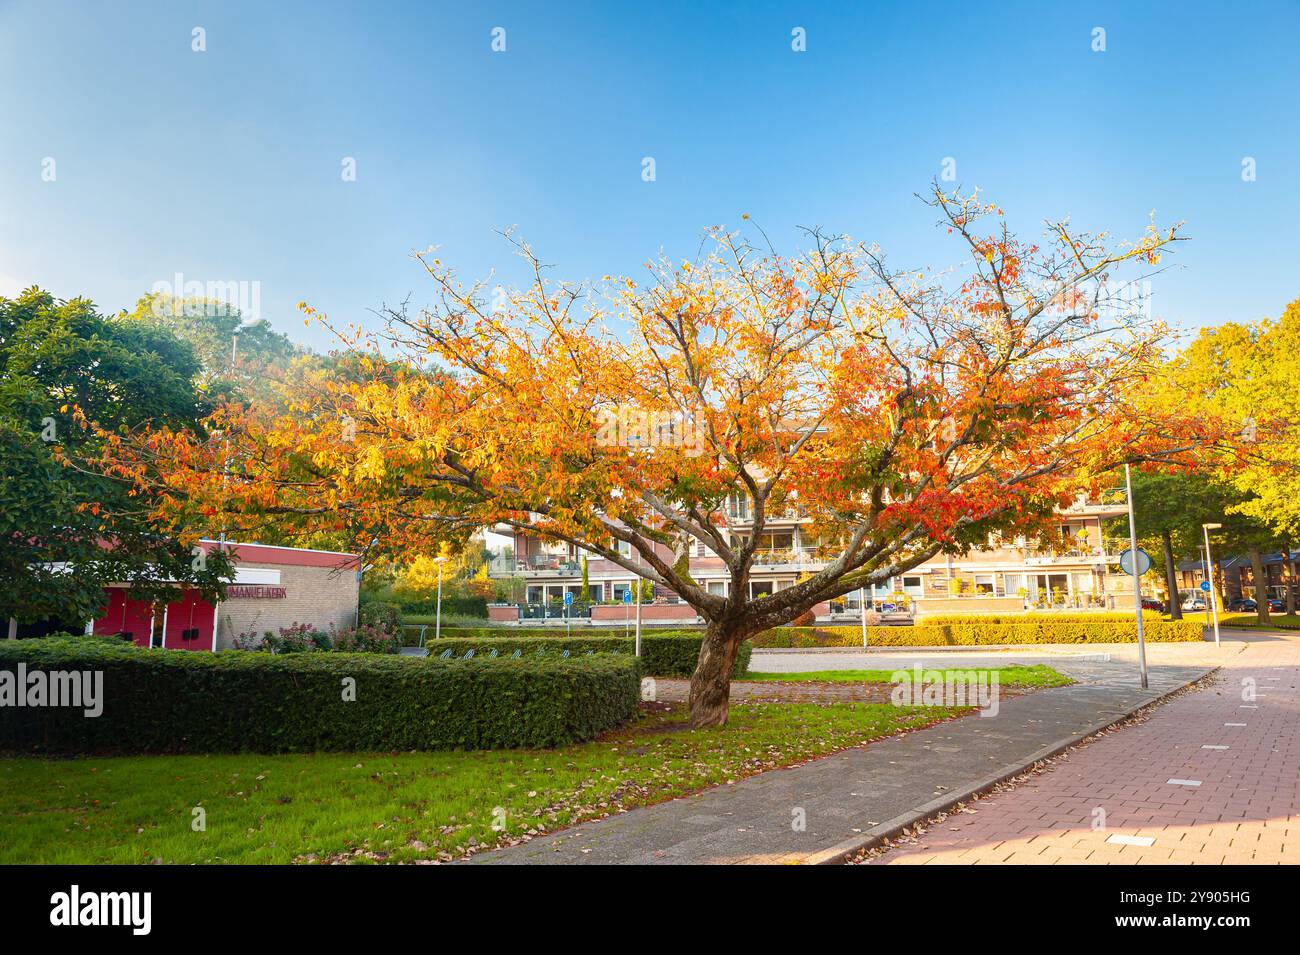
627,596
568,598
1143,562
1205,585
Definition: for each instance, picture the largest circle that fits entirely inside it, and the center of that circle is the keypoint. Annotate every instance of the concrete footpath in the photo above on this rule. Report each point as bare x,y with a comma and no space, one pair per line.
861,794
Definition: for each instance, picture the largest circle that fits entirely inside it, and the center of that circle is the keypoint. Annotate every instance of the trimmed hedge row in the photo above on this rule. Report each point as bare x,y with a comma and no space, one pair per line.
179,702
983,634
674,654
516,632
451,606
1099,616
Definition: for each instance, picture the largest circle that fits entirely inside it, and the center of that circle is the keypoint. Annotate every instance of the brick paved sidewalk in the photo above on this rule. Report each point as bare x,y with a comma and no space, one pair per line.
1208,778
842,797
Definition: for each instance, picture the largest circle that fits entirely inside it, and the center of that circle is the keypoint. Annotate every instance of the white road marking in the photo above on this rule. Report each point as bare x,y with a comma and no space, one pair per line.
1131,840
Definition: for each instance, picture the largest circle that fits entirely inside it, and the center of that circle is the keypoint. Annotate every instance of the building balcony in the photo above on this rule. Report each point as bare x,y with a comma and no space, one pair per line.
535,565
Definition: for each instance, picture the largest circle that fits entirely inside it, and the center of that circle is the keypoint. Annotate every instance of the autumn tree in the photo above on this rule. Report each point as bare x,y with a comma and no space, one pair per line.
1244,373
899,414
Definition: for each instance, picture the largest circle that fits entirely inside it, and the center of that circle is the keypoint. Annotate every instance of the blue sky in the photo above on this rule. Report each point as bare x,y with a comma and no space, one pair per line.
225,164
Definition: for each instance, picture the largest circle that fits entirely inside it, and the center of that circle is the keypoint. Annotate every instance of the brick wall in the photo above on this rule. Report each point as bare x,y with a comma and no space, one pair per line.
319,596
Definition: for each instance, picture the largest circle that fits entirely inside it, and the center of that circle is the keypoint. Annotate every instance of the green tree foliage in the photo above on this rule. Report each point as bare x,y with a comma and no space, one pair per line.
66,530
1246,372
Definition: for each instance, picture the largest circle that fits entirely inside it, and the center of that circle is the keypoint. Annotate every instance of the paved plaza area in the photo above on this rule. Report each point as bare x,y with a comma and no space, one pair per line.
1210,777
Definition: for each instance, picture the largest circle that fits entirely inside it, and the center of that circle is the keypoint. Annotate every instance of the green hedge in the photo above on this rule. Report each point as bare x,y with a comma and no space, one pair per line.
187,702
673,654
1045,630
451,606
381,612
1099,616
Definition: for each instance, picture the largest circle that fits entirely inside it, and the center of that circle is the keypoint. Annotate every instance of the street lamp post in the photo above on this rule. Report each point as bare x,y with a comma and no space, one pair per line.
637,584
1137,586
1209,561
864,616
437,618
225,465
1205,569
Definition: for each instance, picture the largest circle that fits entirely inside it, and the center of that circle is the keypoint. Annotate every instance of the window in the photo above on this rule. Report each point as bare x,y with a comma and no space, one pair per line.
760,588
984,584
912,586
718,587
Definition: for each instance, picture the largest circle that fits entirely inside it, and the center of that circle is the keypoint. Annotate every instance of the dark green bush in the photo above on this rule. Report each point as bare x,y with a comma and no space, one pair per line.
662,654
188,702
451,606
381,612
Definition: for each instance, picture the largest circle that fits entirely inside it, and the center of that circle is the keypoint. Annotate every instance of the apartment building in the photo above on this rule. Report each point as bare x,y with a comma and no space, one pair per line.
1078,569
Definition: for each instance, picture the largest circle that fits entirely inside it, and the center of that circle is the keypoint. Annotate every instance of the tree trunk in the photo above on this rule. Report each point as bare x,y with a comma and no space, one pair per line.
711,681
1261,586
1171,577
1289,579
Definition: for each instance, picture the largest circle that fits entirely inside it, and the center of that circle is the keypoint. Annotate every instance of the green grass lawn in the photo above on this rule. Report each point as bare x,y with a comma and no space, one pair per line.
400,806
1250,621
1037,675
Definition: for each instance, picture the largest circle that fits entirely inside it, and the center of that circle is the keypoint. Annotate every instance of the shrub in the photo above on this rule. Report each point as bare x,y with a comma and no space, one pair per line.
381,612
368,638
1099,616
460,606
297,638
965,632
670,654
172,701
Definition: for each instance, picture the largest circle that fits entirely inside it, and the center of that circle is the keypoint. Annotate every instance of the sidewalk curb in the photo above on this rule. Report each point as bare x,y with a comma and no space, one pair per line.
841,852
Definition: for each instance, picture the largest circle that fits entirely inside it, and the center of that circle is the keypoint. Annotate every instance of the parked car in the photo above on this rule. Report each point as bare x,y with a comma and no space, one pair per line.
1150,603
1196,602
1248,605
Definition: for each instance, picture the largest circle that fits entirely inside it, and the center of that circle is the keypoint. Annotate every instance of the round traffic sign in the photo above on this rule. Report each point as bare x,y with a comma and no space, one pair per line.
1143,561
1205,585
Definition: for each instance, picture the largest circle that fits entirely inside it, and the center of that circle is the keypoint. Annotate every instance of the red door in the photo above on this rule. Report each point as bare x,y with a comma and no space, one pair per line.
125,616
190,623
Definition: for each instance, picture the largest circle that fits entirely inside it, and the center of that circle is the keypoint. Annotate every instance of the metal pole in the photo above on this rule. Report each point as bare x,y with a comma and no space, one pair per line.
225,464
1205,566
1214,603
1137,589
864,617
437,618
637,584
